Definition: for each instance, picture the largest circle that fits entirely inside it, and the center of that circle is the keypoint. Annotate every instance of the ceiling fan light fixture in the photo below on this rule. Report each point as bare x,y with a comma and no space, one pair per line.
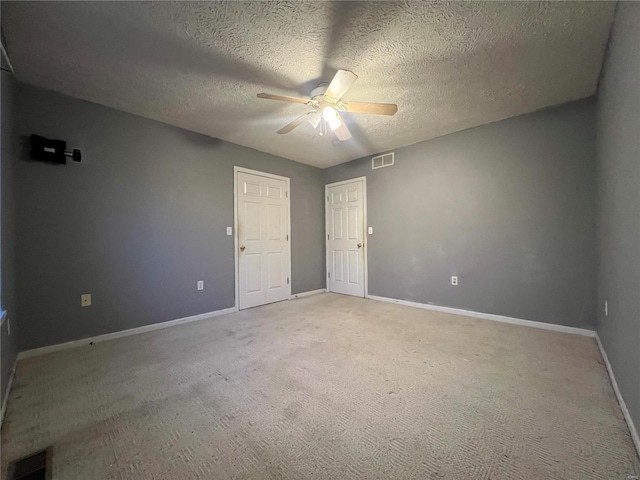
326,102
331,116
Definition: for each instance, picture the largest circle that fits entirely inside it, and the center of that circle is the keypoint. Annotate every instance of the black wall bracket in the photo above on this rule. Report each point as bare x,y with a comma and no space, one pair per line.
52,151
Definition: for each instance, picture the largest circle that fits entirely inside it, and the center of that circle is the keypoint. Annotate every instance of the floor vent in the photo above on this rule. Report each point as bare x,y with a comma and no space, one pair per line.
380,161
33,467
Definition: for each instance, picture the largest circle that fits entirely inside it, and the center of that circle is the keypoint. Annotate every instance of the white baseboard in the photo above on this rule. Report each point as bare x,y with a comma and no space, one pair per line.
310,292
616,390
489,316
124,333
135,331
7,391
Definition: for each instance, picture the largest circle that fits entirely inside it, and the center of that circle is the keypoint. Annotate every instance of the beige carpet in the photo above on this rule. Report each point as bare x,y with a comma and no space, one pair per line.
325,387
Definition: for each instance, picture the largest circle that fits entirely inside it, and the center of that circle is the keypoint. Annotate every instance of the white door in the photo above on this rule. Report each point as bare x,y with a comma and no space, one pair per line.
263,239
345,238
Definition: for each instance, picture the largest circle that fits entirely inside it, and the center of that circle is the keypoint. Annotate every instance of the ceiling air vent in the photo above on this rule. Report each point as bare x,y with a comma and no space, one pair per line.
380,161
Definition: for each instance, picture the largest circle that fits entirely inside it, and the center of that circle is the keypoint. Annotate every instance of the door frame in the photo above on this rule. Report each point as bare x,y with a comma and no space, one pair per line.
236,245
364,233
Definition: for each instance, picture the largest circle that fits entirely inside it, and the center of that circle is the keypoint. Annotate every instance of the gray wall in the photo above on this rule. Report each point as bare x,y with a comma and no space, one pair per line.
618,161
508,207
138,222
7,231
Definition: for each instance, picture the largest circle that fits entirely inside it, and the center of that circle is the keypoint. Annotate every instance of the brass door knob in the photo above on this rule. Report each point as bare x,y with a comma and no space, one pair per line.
359,245
242,247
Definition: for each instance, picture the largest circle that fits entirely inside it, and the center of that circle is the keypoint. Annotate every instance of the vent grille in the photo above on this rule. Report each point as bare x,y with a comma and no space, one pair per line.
33,467
381,161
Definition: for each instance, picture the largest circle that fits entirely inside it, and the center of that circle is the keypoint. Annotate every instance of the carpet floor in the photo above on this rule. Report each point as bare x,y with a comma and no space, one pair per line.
324,387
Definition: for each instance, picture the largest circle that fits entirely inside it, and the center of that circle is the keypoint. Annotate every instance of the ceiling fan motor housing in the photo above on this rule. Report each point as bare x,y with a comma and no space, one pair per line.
319,90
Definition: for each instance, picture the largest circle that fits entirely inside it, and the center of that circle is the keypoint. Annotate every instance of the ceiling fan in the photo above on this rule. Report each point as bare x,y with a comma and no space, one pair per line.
327,105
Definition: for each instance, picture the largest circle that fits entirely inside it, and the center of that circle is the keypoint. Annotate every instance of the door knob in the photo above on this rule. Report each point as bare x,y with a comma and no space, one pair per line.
359,245
242,247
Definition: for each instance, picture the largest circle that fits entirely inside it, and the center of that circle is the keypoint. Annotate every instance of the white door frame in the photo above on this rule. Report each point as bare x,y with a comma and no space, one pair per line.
364,233
236,245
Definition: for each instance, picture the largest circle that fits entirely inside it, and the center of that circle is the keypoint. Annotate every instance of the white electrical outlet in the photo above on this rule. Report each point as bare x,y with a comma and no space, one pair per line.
85,300
229,231
454,280
370,230
200,284
606,308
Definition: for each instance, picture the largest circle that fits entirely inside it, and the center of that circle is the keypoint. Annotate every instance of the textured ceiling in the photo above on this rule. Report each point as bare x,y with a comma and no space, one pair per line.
448,66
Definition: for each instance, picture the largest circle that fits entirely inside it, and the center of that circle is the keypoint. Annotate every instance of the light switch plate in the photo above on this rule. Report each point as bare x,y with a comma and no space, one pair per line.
370,230
229,231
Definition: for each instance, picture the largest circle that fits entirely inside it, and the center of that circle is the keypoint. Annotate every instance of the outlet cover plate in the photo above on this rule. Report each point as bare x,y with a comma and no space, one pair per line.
85,300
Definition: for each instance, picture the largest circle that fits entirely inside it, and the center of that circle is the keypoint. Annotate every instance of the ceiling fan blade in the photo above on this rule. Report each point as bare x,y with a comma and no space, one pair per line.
297,122
342,132
315,118
373,108
340,84
282,98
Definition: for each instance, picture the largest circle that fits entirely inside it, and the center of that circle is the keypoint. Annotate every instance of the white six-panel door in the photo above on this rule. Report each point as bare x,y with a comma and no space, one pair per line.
345,238
262,208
